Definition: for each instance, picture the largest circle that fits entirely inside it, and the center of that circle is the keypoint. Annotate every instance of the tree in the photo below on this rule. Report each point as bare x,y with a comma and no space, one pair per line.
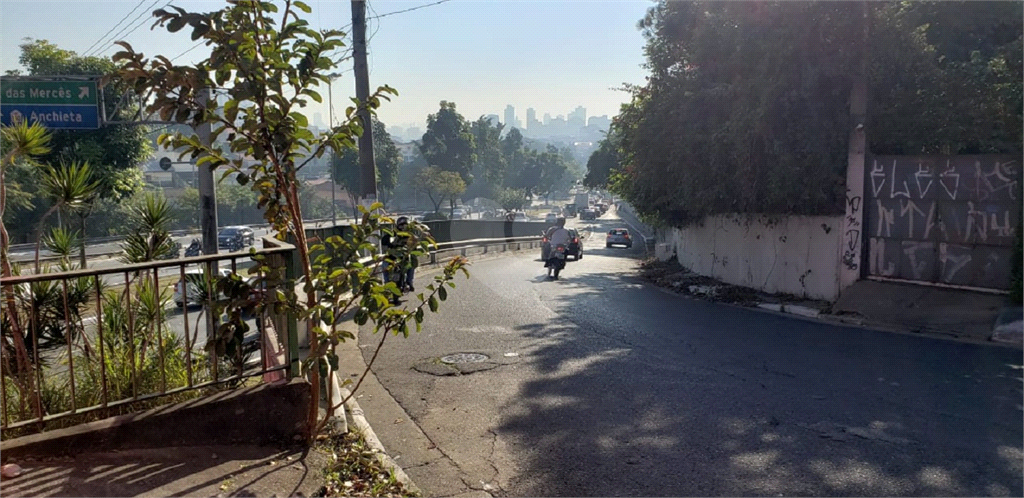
490,162
439,185
511,199
602,163
267,69
448,142
20,142
746,108
388,160
72,188
150,240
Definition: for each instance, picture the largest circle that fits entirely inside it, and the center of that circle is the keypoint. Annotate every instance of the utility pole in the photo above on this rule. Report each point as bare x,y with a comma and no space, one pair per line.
208,212
207,189
367,168
853,242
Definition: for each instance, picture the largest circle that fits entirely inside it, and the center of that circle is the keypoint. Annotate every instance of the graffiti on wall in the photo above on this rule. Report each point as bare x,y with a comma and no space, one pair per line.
949,219
851,240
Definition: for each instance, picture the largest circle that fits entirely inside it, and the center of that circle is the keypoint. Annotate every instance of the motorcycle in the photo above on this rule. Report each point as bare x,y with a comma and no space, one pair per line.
556,260
399,273
194,249
174,253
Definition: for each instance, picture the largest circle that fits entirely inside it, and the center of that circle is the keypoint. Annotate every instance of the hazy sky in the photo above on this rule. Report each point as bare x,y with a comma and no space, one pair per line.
551,55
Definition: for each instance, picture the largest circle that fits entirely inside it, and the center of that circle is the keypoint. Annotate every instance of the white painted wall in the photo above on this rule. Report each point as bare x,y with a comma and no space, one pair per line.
798,255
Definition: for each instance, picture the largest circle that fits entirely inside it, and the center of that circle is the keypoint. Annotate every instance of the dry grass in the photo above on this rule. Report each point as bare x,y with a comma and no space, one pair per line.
355,470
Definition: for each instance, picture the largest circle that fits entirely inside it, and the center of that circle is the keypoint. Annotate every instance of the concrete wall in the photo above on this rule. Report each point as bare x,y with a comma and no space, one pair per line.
272,414
797,255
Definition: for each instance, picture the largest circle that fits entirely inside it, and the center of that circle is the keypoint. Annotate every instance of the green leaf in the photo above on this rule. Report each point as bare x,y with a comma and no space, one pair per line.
432,302
442,293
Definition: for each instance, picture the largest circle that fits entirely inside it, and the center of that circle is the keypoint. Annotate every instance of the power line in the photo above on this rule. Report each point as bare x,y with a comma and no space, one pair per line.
133,21
97,42
176,57
439,2
141,24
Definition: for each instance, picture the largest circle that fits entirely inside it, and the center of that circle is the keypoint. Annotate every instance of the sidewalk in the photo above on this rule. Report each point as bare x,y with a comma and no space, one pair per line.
917,309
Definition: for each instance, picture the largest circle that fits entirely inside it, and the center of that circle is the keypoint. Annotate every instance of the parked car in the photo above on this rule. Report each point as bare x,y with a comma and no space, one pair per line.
235,238
618,236
518,216
550,218
588,214
191,286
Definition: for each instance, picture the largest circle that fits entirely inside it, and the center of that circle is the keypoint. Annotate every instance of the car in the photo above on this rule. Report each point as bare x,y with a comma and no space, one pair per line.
194,279
588,214
575,247
618,236
235,238
434,216
458,214
551,218
518,216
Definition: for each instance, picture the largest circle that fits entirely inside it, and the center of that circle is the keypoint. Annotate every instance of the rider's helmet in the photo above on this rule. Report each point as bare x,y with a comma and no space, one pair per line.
560,221
401,222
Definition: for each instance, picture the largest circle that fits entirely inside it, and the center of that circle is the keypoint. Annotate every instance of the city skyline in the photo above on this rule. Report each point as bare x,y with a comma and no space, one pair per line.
561,51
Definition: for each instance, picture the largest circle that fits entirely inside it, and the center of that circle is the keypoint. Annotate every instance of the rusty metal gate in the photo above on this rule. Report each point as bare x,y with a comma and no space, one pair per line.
943,219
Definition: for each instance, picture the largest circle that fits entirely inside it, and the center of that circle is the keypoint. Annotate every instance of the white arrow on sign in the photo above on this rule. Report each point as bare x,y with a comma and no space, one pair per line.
83,92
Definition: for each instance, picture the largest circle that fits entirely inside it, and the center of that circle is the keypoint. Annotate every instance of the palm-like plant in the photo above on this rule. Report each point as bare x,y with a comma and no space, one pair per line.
21,142
73,189
150,240
61,242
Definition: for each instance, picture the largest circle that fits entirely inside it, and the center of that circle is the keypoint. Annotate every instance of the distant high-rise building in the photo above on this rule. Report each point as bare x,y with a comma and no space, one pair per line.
510,116
318,120
493,118
577,119
547,119
531,119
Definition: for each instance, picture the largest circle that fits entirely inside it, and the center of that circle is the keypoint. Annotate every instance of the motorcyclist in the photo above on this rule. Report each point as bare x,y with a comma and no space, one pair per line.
394,245
558,234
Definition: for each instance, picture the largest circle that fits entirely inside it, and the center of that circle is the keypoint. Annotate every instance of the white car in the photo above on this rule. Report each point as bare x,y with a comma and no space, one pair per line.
194,277
520,216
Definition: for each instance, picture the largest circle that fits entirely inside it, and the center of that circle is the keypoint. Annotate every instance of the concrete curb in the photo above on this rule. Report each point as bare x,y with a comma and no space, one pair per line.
1009,327
813,315
361,425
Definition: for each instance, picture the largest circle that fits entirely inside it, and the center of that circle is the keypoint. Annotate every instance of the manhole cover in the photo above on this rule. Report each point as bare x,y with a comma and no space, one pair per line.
464,358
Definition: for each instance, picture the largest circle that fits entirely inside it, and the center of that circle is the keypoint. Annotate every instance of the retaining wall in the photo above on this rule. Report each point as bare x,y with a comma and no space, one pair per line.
797,255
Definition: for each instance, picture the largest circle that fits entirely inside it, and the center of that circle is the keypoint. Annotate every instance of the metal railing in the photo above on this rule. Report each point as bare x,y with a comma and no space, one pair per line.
84,340
100,339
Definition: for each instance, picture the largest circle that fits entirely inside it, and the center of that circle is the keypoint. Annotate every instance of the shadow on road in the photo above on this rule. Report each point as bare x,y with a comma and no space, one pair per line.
694,398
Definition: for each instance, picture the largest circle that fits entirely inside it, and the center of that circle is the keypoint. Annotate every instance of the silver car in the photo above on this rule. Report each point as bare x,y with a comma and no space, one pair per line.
618,236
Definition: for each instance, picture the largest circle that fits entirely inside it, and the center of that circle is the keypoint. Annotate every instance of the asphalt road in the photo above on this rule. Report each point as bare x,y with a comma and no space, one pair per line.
599,384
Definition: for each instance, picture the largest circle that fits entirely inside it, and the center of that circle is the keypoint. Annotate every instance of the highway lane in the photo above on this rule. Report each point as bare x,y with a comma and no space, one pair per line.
601,385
